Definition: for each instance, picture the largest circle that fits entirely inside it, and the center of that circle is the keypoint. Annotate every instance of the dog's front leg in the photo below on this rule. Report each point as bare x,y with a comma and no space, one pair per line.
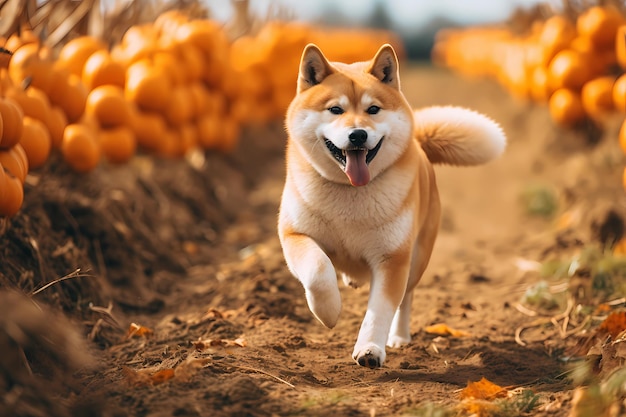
388,286
308,262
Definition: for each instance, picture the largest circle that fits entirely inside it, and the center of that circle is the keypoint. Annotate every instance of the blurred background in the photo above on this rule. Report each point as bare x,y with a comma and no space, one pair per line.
416,21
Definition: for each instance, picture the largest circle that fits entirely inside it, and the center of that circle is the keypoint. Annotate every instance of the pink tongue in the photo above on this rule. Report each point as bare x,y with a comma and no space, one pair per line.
356,168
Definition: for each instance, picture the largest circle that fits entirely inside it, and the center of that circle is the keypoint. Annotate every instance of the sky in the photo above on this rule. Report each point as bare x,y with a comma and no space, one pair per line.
407,14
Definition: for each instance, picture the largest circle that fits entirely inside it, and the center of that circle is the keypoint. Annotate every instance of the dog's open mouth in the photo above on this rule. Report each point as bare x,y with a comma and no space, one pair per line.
355,161
340,154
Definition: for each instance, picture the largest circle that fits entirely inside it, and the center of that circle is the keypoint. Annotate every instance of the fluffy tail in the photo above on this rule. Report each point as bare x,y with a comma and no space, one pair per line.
458,136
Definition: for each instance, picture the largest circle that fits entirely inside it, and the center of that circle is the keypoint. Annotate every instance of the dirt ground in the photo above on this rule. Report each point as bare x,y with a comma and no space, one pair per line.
188,250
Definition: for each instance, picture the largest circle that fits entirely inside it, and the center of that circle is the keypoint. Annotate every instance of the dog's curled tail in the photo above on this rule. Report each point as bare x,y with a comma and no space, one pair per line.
458,136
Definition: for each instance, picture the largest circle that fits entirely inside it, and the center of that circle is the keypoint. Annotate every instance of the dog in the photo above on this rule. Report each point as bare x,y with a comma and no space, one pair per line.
360,197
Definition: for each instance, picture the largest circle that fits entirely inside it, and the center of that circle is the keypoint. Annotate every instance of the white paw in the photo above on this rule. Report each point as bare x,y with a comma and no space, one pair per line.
395,340
371,356
325,303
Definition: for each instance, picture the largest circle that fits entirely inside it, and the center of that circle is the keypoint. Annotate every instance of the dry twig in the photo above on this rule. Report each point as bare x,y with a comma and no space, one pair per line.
71,275
554,320
260,371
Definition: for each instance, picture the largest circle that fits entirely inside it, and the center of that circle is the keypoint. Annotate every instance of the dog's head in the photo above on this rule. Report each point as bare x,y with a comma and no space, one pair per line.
350,120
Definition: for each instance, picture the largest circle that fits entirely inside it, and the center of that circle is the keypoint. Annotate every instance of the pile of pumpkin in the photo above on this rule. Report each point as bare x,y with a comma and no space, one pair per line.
575,65
168,87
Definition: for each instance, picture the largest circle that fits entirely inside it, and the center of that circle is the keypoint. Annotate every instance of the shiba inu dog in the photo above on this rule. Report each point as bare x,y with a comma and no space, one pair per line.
360,197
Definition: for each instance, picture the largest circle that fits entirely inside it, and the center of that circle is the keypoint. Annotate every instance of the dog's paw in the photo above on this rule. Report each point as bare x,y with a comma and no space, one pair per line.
325,303
396,341
371,356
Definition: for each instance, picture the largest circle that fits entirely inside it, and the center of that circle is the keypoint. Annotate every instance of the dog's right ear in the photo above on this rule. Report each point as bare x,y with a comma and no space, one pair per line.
314,67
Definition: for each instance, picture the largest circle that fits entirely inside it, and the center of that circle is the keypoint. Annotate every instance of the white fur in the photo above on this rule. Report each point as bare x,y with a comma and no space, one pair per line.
458,136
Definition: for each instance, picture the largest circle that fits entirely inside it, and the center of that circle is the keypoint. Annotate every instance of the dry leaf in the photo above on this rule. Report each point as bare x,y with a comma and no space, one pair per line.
444,330
185,370
213,313
483,390
135,378
614,324
137,330
201,344
239,342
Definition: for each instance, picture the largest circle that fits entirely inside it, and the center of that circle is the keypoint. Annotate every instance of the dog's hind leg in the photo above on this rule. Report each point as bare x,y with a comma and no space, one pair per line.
308,262
400,333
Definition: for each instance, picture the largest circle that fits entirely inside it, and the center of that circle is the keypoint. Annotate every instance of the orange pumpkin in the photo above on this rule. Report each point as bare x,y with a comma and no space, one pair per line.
13,197
597,96
620,46
566,108
33,102
179,109
600,24
56,123
15,162
118,144
568,69
75,53
80,148
36,142
148,86
555,34
107,104
12,122
149,128
31,62
101,69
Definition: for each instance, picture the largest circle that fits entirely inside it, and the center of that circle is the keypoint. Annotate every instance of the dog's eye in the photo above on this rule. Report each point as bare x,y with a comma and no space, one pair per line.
336,110
373,109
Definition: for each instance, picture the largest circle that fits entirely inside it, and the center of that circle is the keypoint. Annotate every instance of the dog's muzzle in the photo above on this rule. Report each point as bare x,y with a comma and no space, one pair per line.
340,154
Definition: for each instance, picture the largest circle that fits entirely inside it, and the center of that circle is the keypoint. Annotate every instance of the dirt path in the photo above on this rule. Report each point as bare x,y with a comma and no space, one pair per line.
234,325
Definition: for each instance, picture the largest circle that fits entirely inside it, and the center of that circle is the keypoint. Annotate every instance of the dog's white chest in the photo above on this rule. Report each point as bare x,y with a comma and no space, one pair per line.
354,224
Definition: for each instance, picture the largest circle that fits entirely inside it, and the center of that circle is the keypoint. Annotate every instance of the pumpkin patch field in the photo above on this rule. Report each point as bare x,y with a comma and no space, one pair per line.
141,169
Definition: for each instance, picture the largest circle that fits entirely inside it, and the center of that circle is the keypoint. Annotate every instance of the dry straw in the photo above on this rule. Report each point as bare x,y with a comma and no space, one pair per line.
56,21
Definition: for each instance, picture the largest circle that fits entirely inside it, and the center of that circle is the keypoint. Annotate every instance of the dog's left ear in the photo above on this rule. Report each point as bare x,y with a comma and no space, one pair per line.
385,66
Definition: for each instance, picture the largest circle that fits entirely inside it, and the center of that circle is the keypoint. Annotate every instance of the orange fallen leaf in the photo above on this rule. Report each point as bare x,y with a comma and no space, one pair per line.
442,329
614,324
603,308
144,377
483,390
620,247
162,376
137,330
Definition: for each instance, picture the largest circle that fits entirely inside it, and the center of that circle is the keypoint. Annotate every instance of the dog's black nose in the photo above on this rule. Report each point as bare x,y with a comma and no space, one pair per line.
358,137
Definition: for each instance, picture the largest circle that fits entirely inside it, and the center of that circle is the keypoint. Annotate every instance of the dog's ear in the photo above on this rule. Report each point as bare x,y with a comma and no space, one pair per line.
385,66
314,67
